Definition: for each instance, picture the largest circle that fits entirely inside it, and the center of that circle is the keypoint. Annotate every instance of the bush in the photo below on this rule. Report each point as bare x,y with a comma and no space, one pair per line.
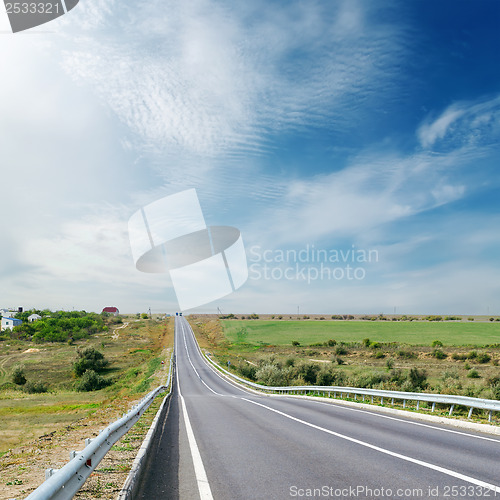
473,374
439,354
324,377
308,371
375,345
417,378
273,375
379,355
405,353
331,343
366,342
389,364
18,376
89,359
340,350
483,358
459,357
36,387
472,355
470,319
247,370
295,343
437,343
91,381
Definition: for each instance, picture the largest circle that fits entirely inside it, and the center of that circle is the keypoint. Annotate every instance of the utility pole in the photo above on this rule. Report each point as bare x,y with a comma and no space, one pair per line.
150,313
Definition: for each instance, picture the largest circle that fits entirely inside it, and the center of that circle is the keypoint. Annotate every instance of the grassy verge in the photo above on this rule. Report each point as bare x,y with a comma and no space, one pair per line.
134,353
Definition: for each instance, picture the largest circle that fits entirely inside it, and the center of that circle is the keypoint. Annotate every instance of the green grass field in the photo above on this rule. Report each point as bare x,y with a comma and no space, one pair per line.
258,332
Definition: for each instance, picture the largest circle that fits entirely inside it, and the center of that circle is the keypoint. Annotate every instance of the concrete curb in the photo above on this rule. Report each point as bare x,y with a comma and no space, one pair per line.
129,488
460,424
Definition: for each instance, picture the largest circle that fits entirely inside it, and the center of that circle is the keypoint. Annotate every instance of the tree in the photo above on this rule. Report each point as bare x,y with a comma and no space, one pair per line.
89,359
18,376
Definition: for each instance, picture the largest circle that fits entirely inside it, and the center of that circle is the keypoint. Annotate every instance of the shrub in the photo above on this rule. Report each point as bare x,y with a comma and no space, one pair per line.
405,353
389,363
366,342
379,355
483,358
339,360
340,350
247,370
89,359
437,343
324,377
472,355
439,354
18,376
91,381
295,343
417,378
473,374
459,357
375,345
331,343
470,319
273,375
36,387
308,371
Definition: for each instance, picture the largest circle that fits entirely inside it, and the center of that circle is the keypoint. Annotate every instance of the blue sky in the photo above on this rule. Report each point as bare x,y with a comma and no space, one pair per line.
326,124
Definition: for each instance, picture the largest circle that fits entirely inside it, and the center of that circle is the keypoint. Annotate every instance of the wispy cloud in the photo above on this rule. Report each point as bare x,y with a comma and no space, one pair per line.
467,123
206,79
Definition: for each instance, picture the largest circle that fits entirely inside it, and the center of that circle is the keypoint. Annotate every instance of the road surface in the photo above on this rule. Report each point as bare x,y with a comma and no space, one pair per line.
219,441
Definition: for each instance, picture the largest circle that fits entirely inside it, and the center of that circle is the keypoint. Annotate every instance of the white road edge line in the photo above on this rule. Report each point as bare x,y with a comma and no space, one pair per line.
443,470
199,468
348,408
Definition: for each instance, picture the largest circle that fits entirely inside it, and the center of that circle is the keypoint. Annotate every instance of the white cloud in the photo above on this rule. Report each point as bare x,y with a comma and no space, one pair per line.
467,123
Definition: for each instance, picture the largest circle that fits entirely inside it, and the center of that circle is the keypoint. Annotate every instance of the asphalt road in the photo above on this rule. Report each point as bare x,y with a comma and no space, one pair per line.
219,441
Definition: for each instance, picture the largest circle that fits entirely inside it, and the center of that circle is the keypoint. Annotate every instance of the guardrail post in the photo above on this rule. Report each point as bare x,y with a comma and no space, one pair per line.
404,403
49,473
489,416
73,454
382,400
392,401
372,399
470,412
88,441
433,406
451,409
363,398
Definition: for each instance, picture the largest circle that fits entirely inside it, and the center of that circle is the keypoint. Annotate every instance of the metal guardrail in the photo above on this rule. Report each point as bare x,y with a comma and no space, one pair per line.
63,484
490,405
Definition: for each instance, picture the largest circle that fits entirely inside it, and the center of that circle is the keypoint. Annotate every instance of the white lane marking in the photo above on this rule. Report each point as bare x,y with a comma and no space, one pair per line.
448,472
213,370
195,370
404,421
199,469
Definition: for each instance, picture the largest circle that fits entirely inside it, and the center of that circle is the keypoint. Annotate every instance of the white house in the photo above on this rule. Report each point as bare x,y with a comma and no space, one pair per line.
34,317
10,323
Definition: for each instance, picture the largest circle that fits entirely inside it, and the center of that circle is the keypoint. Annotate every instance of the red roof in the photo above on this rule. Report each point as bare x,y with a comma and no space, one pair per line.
110,310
